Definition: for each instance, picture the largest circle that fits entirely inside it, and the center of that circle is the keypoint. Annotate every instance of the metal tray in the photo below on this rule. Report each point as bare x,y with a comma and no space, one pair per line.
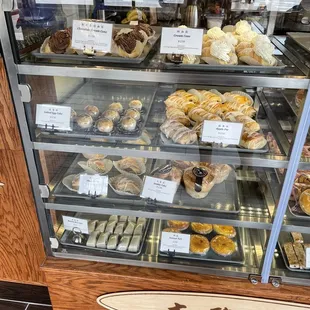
296,211
66,238
169,143
232,68
286,237
301,38
101,95
236,258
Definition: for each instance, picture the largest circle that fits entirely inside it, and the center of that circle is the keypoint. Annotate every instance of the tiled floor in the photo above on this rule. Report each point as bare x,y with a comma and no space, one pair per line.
12,305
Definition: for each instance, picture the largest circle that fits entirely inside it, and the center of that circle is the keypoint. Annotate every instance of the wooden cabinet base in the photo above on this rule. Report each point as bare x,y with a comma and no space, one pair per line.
76,285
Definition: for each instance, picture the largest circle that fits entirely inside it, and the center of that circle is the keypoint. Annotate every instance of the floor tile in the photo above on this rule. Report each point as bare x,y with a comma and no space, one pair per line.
7,305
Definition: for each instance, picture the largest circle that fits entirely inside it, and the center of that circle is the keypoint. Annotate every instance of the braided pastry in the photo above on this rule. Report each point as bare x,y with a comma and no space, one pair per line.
252,141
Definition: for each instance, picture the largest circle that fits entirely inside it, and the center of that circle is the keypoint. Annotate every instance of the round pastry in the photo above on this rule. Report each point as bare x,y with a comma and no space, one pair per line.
134,113
76,182
92,110
105,125
202,228
59,42
128,123
171,229
228,231
136,104
116,106
73,115
304,201
199,245
94,156
222,245
112,115
85,121
180,225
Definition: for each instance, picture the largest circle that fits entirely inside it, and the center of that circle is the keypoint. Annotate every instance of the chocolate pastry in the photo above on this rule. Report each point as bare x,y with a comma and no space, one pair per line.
60,41
146,28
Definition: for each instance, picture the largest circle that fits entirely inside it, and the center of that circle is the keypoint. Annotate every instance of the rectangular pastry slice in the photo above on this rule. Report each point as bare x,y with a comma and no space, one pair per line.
113,241
132,219
92,225
297,237
92,239
110,227
301,255
124,243
101,226
103,240
291,256
123,218
134,244
119,228
138,230
113,218
141,220
129,228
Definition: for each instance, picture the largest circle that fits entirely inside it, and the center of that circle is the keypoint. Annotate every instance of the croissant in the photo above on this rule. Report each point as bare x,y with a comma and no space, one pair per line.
252,141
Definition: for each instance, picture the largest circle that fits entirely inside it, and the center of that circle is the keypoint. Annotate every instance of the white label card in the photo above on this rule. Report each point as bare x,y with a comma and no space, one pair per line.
92,35
174,242
148,3
185,41
221,132
118,3
308,258
74,222
75,2
53,116
93,184
161,190
174,1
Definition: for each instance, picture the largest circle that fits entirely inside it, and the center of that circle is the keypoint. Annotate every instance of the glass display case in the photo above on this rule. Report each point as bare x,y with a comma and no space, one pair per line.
173,160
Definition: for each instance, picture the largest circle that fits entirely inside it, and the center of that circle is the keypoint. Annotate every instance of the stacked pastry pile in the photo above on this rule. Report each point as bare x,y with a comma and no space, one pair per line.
225,48
185,109
222,244
120,233
296,251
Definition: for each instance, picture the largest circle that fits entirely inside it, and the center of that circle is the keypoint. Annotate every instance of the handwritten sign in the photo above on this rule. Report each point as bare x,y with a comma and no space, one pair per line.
93,184
174,242
74,222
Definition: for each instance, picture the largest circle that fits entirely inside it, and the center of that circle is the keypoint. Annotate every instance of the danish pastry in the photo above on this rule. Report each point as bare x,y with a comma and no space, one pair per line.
252,141
228,231
304,201
222,245
180,225
199,245
201,228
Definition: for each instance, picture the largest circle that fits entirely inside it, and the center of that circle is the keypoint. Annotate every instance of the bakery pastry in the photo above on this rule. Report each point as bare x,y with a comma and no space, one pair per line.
92,225
252,141
123,244
201,228
112,115
172,230
141,220
110,226
149,31
113,241
130,165
240,97
105,125
199,126
103,240
92,110
199,114
101,226
113,218
128,123
301,255
169,173
135,244
236,106
127,184
132,219
222,245
99,165
92,239
58,43
214,33
304,201
94,156
248,36
249,124
220,171
135,104
129,228
300,97
133,113
191,186
242,27
212,107
181,164
228,231
84,121
180,225
178,115
291,256
116,106
138,229
297,237
119,229
199,245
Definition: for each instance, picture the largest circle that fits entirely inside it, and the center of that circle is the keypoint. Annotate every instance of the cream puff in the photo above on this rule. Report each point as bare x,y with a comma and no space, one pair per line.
105,125
116,106
136,104
92,110
84,121
112,115
128,123
134,113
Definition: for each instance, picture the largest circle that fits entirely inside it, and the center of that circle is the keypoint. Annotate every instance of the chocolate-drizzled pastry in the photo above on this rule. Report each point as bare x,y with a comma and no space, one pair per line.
60,41
146,28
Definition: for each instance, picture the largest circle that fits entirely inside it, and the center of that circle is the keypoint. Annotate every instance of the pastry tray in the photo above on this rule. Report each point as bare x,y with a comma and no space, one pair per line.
286,237
60,190
232,68
101,95
236,258
222,198
169,143
65,239
297,211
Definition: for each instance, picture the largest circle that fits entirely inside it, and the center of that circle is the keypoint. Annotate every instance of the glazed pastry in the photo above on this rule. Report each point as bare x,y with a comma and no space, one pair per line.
202,228
113,218
113,241
211,96
180,225
291,256
116,106
304,201
128,123
198,114
133,113
132,219
76,182
92,110
100,166
297,237
92,239
149,31
180,103
101,226
119,229
169,173
134,244
59,43
105,125
178,115
129,228
139,229
239,97
130,165
252,141
123,218
190,184
111,115
110,227
126,184
228,231
103,240
92,225
235,106
123,244
84,121
249,124
199,245
222,245
135,104
220,171
301,255
172,230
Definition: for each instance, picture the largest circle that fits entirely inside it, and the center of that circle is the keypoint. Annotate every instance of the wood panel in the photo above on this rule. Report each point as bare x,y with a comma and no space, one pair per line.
82,282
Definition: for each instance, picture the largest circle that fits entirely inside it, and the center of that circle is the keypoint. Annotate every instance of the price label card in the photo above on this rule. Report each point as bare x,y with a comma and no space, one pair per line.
92,35
49,115
74,222
174,1
75,2
181,41
93,184
161,190
118,3
221,132
148,3
174,242
308,257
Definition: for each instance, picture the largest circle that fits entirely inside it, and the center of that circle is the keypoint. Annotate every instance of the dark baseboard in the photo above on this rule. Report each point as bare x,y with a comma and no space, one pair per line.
24,292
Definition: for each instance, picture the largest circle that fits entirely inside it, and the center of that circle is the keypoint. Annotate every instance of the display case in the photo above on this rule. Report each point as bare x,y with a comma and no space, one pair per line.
177,161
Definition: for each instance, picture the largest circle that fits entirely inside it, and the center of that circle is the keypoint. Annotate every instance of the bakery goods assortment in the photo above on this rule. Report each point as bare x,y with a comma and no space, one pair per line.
58,43
199,245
